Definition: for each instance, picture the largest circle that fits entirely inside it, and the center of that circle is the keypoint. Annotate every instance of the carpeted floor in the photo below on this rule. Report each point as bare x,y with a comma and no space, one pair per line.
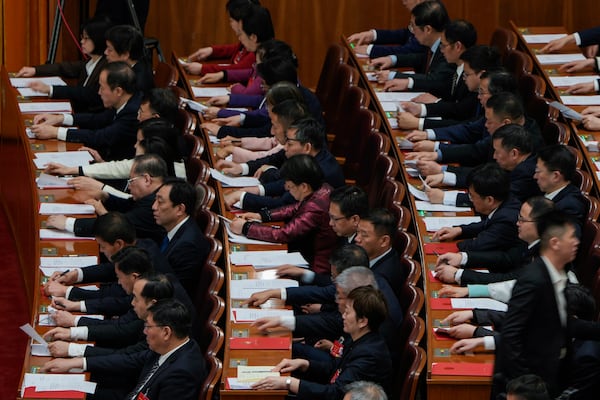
13,313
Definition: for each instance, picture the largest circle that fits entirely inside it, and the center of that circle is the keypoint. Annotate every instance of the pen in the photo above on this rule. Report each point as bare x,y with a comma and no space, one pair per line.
225,218
65,272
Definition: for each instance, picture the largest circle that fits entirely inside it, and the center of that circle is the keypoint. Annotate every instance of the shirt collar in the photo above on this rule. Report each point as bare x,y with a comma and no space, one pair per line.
532,244
552,195
173,231
435,45
556,276
374,260
164,357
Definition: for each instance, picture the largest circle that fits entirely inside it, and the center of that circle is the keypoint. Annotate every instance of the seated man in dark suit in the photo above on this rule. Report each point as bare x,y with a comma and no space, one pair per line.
503,265
111,132
400,41
113,232
489,192
185,245
433,72
305,136
145,178
461,103
159,103
555,169
172,367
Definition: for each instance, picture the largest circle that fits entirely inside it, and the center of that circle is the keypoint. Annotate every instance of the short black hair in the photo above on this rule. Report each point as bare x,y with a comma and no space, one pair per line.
163,102
132,259
159,146
482,58
554,224
175,315
528,387
540,206
489,180
277,69
119,74
282,91
276,48
289,111
113,226
432,13
348,255
309,130
150,164
160,127
384,222
302,168
126,38
514,136
369,303
182,192
237,9
500,81
558,157
506,105
462,31
351,200
157,287
258,22
96,28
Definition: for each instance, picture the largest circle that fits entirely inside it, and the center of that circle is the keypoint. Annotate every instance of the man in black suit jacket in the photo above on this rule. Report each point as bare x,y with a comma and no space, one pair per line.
503,265
185,245
111,132
433,72
172,367
489,192
554,172
146,176
458,45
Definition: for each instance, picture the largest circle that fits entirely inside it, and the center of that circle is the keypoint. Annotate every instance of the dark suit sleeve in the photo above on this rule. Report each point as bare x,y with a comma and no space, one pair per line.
127,363
104,272
473,277
488,317
310,294
85,97
109,306
116,335
590,36
240,132
462,109
94,351
276,160
67,69
326,325
468,132
496,235
84,227
253,202
392,36
497,261
471,154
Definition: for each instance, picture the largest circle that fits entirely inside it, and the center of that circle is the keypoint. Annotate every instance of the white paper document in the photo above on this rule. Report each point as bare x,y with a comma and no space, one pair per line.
46,107
488,304
194,105
244,288
418,194
547,59
235,384
51,234
580,100
40,350
266,259
397,96
393,123
66,208
543,38
57,382
434,224
68,262
209,91
566,111
427,206
254,373
252,314
28,92
32,333
48,320
572,80
389,105
68,158
230,181
48,80
46,181
404,144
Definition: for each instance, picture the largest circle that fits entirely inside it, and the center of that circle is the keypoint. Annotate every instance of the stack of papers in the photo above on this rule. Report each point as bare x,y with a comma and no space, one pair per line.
427,206
547,59
267,258
66,158
46,181
244,288
45,107
397,96
572,80
56,386
252,314
48,80
543,38
434,224
66,208
50,265
418,194
209,91
566,111
230,181
52,234
28,92
580,100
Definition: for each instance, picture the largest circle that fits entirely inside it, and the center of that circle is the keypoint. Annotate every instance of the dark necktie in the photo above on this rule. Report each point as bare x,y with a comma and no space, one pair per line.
454,82
429,58
142,382
164,244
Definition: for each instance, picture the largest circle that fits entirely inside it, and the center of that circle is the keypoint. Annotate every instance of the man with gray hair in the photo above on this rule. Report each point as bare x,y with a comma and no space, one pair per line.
363,390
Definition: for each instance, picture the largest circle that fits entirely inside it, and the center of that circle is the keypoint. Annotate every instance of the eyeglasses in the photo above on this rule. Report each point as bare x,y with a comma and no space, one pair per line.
335,219
466,74
520,218
444,45
481,92
131,180
288,139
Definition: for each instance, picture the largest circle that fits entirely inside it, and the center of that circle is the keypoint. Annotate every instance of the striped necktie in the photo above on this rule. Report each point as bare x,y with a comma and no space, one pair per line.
142,382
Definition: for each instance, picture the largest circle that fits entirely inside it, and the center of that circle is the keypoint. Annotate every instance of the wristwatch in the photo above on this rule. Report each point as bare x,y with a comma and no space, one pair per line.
288,383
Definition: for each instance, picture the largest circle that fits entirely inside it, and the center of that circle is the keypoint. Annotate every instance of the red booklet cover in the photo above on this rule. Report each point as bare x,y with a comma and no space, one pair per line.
30,393
440,248
460,369
260,343
441,304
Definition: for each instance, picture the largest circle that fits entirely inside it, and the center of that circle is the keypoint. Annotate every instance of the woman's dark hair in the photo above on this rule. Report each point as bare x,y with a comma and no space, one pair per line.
302,168
369,303
258,22
157,145
238,9
95,29
125,38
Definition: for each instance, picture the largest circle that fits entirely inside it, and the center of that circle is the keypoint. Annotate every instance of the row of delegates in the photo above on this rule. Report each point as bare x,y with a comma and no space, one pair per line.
307,223
172,367
113,233
401,40
239,57
459,47
154,136
304,136
433,72
366,357
84,96
320,323
251,148
111,132
255,27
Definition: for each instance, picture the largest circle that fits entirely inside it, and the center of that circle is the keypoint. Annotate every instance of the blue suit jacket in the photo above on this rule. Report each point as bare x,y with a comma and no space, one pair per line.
405,43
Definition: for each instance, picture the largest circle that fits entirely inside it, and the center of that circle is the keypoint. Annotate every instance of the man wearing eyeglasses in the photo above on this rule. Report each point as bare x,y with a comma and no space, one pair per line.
145,178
